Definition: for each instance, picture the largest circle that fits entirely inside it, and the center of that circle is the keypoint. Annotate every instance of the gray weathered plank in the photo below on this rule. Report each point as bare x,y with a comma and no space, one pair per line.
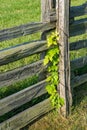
78,45
78,27
24,118
45,10
53,16
34,27
62,11
24,30
22,97
78,80
78,63
76,11
47,6
21,51
10,77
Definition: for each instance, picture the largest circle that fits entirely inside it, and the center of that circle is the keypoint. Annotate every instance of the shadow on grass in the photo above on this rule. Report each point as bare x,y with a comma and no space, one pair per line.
77,120
80,93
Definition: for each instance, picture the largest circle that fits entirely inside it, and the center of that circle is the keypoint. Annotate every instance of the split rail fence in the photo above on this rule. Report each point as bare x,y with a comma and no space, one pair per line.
53,16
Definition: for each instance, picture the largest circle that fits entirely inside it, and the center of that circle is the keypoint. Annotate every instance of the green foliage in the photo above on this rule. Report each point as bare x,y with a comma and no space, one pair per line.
52,59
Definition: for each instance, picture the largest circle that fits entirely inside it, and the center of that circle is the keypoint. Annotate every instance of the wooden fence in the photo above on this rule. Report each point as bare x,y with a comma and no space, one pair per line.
51,18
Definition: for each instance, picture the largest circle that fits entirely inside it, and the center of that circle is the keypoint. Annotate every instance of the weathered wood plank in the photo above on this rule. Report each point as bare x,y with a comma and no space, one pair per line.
76,11
24,30
21,51
27,116
54,19
78,63
53,16
22,97
45,10
78,45
47,6
62,11
34,27
10,77
78,27
78,80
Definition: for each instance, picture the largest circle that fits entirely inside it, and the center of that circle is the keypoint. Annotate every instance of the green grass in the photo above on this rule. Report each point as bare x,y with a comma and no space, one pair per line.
15,13
81,52
77,2
77,120
6,91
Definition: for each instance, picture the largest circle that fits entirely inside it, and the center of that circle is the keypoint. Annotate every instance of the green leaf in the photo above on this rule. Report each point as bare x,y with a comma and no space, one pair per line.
50,89
46,60
48,78
52,59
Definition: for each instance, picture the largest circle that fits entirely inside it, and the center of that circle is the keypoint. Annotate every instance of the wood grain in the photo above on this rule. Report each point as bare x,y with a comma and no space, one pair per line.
78,80
47,6
45,10
22,97
62,12
75,11
21,73
21,51
27,116
24,30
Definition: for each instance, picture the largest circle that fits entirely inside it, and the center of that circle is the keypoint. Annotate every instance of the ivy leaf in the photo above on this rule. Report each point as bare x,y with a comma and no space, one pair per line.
48,78
50,89
52,57
46,60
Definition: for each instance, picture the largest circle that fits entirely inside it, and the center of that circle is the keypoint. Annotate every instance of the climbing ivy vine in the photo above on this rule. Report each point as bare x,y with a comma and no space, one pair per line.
52,60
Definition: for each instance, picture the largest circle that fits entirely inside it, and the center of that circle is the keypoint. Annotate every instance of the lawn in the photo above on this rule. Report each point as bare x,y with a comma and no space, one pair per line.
15,13
81,52
77,120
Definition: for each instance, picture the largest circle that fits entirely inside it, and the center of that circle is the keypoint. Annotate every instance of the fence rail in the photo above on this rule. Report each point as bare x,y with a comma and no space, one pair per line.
78,80
27,116
78,63
22,97
23,50
75,11
24,30
19,74
31,28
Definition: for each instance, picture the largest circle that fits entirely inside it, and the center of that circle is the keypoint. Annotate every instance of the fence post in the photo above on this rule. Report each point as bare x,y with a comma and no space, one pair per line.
46,7
62,12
